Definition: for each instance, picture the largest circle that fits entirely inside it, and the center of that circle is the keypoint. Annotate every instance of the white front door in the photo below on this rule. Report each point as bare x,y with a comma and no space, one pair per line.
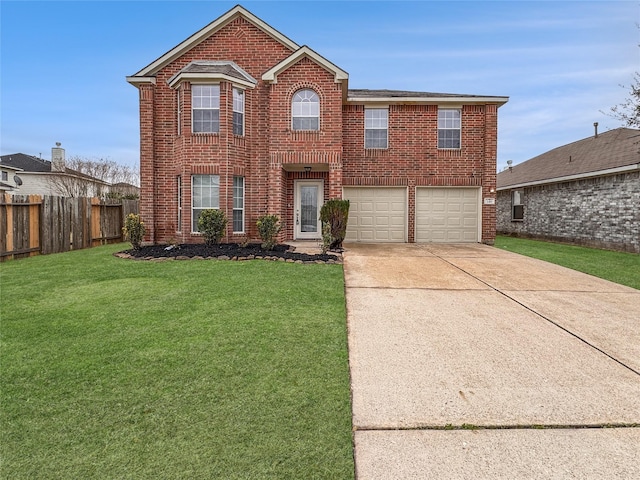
309,197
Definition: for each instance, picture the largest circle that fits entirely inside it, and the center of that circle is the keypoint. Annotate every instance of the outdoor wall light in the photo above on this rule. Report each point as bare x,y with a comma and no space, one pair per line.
307,168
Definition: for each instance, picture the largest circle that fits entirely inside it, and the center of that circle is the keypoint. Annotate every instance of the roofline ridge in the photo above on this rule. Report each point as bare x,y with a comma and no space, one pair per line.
198,37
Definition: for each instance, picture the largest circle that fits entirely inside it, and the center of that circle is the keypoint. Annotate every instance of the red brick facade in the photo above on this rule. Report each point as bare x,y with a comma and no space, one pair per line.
271,156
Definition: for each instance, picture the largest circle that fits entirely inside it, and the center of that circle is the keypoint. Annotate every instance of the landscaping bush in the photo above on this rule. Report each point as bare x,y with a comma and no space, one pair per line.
335,213
134,230
327,239
213,225
268,228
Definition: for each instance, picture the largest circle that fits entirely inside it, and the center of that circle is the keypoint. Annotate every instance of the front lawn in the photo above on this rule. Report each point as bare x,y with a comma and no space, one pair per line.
115,368
619,267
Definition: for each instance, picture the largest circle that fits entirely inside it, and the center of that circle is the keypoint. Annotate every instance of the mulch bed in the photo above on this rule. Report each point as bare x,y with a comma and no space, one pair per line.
227,251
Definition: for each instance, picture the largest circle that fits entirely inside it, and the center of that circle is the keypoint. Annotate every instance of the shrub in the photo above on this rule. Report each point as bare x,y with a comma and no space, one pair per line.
134,230
213,225
335,213
268,228
326,237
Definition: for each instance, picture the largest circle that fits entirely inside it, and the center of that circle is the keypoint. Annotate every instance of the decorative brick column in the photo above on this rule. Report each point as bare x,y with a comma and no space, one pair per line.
147,164
489,174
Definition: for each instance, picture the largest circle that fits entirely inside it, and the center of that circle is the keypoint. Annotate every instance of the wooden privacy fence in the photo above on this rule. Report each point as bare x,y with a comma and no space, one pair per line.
32,224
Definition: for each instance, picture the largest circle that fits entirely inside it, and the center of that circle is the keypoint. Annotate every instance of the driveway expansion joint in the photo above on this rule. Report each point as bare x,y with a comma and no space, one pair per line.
575,335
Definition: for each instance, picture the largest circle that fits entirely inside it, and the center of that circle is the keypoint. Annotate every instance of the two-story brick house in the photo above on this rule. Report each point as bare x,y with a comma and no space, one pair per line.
241,118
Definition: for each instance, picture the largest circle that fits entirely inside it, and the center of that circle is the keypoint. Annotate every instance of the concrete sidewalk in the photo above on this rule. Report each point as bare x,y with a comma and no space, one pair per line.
472,362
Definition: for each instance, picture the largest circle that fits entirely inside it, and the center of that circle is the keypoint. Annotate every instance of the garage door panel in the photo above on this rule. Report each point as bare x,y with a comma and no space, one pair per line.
376,214
447,214
366,221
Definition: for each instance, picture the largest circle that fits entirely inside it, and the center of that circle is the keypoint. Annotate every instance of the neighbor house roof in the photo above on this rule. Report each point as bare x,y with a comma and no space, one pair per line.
147,74
403,96
607,153
31,164
28,163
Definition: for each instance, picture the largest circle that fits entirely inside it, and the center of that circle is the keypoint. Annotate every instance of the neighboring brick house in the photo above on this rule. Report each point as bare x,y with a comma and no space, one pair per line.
586,192
241,118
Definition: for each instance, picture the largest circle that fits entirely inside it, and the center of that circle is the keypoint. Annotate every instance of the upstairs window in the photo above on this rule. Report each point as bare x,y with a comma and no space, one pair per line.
238,112
517,205
305,110
205,103
448,128
376,127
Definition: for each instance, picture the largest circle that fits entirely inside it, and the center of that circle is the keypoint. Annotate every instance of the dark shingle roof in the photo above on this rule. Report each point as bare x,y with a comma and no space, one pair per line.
365,93
612,149
28,163
229,69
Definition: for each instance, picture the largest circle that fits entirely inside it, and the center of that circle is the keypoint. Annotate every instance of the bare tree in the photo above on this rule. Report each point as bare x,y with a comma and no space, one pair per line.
628,111
86,177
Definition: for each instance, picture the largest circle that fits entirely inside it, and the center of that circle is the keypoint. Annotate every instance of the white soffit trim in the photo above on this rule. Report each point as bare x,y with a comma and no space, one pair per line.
450,102
195,78
271,75
141,80
577,176
207,31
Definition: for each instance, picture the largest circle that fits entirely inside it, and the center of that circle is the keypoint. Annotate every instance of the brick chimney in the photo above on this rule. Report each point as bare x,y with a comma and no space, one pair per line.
57,158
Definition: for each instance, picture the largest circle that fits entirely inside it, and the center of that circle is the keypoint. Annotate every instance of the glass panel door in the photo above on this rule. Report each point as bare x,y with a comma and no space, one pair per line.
308,208
308,200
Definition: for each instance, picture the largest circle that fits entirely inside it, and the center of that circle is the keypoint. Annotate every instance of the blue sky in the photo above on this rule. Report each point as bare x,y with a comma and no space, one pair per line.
63,64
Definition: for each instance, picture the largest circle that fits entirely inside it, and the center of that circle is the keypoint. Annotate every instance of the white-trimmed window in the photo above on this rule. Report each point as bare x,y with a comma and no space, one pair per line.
449,128
238,204
179,219
376,127
205,194
205,106
517,205
305,110
238,111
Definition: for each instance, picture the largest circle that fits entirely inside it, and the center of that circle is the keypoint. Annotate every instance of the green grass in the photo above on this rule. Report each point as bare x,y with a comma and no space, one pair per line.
115,368
618,267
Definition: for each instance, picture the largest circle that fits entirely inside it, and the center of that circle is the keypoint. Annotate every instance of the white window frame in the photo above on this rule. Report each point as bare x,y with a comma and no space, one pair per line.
238,110
212,200
517,200
238,203
305,105
5,176
203,100
376,122
448,122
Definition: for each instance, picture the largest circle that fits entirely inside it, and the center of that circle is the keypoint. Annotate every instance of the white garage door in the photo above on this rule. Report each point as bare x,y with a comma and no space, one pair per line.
447,214
376,214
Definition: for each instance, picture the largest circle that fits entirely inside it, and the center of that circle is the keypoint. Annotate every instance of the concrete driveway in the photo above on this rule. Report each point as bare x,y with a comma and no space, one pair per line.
472,362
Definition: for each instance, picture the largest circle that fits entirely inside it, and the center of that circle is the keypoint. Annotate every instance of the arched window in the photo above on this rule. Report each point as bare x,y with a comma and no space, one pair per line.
305,110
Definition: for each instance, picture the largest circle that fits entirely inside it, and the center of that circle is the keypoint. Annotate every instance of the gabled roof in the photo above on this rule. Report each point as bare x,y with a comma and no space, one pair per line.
213,69
148,72
403,96
271,75
610,152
